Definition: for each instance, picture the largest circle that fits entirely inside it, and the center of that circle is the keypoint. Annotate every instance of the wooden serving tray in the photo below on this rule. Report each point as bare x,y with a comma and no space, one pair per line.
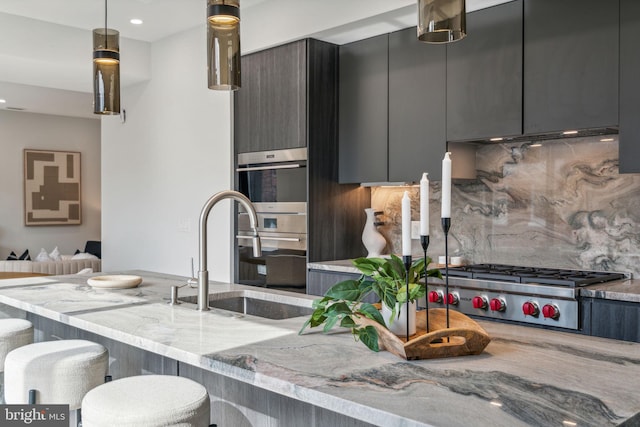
463,337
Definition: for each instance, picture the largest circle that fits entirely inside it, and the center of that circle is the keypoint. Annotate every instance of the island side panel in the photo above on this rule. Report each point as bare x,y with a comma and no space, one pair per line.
238,404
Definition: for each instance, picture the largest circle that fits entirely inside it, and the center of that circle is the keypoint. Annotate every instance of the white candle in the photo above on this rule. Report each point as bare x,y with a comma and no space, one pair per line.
424,205
406,224
446,185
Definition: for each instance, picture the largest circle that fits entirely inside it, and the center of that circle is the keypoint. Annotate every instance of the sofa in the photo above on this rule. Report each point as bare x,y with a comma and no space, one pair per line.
71,266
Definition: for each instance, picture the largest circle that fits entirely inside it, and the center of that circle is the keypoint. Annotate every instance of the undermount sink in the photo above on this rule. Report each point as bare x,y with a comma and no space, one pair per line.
256,303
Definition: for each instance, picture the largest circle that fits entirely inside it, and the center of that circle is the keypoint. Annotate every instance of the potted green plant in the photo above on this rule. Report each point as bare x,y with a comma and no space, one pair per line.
343,303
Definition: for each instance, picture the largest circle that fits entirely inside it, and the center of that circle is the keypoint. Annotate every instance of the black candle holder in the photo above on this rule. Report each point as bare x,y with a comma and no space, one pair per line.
424,241
446,225
407,266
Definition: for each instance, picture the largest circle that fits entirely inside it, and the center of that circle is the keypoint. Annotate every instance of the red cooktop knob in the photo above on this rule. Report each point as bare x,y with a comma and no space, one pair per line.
530,308
435,296
497,304
551,311
479,302
453,299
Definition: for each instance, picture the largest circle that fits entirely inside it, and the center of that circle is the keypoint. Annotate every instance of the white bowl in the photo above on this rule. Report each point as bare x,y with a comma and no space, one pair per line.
116,281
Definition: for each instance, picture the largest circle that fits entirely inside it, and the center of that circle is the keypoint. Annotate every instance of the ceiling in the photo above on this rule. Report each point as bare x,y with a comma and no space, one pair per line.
44,44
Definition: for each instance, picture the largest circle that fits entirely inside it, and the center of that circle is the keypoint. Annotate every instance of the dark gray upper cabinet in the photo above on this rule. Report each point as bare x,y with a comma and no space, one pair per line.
570,64
629,138
417,76
484,75
363,105
270,107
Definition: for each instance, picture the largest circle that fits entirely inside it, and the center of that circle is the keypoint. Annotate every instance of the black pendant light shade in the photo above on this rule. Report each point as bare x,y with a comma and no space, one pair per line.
106,69
441,21
223,44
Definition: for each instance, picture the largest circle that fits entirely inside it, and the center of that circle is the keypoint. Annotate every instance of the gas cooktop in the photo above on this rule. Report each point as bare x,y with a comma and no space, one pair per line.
544,276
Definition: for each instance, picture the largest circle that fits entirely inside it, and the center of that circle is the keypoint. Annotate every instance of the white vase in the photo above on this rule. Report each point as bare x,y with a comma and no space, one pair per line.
371,237
398,325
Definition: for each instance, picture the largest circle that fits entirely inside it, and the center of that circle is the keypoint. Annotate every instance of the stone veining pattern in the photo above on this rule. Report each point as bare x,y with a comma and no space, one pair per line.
526,376
561,204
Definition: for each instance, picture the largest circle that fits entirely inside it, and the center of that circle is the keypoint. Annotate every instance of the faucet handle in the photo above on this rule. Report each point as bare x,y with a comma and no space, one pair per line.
193,273
174,295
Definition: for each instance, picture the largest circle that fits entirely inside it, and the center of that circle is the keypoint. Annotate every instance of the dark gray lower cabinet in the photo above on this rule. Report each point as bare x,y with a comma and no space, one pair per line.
629,138
619,320
319,281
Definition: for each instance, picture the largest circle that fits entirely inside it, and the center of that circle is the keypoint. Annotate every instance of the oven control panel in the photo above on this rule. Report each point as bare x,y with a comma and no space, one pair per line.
557,312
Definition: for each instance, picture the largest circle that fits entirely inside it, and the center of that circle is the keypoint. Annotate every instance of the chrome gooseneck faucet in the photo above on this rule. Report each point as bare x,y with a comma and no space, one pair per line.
203,274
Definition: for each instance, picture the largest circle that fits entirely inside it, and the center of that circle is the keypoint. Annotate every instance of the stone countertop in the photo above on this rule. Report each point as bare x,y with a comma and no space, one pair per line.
526,376
619,290
338,266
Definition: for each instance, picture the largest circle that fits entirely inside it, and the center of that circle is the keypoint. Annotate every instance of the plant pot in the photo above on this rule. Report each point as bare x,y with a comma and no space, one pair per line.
398,326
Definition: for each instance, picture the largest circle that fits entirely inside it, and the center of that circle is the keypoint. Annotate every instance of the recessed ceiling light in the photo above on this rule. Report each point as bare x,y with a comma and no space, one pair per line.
570,132
496,139
136,21
606,139
536,145
2,101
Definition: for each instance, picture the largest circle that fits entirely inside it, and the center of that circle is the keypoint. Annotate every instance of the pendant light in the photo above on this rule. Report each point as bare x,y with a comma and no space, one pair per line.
441,21
106,69
223,44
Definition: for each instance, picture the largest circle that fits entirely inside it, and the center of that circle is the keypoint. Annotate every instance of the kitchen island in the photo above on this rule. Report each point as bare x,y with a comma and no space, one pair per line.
261,372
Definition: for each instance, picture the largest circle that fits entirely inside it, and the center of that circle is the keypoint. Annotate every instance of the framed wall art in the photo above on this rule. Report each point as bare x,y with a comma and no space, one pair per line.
52,188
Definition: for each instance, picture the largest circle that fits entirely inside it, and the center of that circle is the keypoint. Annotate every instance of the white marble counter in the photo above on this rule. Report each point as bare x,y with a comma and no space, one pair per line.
620,290
340,266
525,376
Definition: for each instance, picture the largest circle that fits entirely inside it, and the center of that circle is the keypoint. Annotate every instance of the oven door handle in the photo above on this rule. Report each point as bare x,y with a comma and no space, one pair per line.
262,168
280,239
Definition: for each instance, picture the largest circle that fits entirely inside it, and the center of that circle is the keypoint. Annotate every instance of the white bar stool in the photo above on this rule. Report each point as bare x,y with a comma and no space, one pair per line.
14,333
60,372
147,401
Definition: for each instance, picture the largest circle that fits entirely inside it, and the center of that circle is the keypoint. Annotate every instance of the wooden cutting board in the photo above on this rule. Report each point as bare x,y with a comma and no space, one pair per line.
463,337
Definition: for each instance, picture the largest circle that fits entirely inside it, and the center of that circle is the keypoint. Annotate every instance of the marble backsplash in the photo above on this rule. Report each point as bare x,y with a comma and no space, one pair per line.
561,204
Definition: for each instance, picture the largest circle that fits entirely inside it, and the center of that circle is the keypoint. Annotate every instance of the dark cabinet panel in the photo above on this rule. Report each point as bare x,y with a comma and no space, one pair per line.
417,99
629,138
570,64
363,104
302,102
484,75
270,107
614,319
335,211
319,281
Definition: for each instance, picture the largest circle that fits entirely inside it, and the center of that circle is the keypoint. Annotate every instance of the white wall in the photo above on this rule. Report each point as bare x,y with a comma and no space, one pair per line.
20,130
160,167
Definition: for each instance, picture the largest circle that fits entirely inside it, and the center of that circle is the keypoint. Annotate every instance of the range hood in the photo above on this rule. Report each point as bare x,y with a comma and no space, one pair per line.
547,136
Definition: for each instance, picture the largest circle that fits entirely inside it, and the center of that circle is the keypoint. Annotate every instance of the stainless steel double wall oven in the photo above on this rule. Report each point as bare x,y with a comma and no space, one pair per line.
276,183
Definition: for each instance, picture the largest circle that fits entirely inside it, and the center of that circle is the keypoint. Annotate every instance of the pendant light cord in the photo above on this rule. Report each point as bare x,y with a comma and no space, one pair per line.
106,39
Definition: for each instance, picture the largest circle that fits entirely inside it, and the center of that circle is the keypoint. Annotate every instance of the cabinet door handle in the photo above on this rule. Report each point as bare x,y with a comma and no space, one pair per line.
280,239
262,168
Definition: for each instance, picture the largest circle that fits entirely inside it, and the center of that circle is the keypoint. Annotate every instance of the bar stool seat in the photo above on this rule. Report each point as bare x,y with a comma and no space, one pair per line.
14,333
147,401
61,372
